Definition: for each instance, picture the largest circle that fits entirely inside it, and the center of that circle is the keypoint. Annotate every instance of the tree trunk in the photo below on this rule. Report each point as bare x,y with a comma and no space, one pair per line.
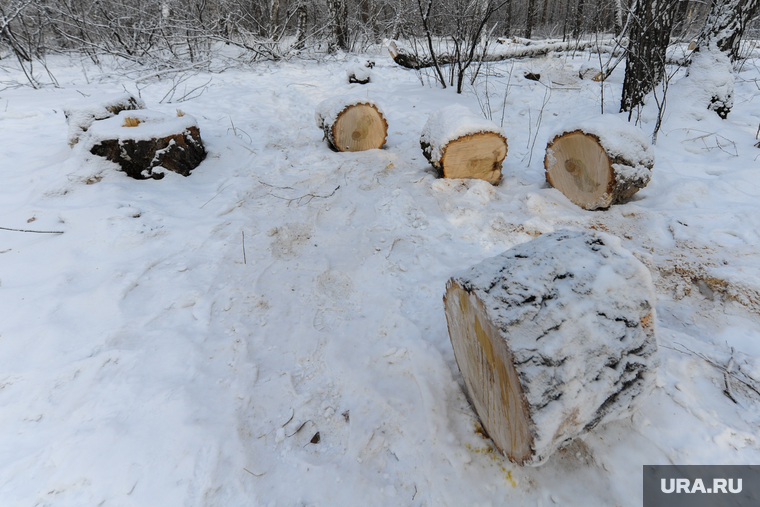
529,20
618,17
301,23
649,35
553,337
339,23
725,25
578,20
274,18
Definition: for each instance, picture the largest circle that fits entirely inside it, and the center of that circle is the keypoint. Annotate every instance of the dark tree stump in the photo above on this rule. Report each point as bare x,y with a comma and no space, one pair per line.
141,143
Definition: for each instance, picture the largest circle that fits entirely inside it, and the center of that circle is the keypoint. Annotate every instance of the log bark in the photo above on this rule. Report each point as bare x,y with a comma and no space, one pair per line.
553,338
596,168
352,124
132,141
461,144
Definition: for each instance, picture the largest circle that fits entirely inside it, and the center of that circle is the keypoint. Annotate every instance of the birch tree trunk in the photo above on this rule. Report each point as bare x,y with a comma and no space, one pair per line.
274,18
649,35
338,14
718,46
725,25
301,22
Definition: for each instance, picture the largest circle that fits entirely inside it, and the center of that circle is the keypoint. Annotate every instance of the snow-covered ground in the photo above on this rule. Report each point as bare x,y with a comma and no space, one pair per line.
184,341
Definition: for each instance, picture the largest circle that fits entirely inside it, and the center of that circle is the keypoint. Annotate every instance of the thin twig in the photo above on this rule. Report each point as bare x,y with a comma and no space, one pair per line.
36,232
222,190
244,261
253,474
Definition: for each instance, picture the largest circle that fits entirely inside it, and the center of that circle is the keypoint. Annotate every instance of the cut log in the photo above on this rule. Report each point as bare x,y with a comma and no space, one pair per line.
143,142
460,143
599,162
81,116
553,337
352,123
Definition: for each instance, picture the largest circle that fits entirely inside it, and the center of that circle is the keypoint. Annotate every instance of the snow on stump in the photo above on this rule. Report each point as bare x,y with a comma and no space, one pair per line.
360,73
599,161
352,123
142,142
81,116
553,337
460,143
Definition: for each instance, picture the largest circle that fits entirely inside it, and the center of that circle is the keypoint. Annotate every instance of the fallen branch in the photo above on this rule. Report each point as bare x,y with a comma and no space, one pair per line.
26,230
310,196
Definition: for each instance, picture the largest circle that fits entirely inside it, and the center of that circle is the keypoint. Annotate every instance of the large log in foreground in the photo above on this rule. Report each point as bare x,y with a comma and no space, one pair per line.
599,162
460,143
352,123
553,337
142,142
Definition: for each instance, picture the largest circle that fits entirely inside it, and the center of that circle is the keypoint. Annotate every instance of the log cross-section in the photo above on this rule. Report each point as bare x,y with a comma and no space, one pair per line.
352,125
489,374
459,143
596,168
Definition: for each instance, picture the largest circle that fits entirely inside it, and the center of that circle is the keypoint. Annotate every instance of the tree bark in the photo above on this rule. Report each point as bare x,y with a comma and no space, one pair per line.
339,23
553,338
649,35
301,23
725,25
529,20
578,20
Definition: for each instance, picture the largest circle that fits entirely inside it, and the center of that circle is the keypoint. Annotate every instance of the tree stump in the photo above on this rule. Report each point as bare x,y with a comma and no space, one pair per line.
81,116
359,73
460,143
143,141
352,123
599,162
553,337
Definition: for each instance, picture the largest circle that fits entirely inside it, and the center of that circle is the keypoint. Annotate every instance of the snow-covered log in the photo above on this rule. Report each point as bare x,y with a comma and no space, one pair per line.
553,337
142,142
599,161
81,116
408,59
352,123
359,73
462,144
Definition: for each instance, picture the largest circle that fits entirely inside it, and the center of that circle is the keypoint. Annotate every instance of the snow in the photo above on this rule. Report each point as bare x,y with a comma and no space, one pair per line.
144,361
590,300
450,123
80,114
328,110
153,125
